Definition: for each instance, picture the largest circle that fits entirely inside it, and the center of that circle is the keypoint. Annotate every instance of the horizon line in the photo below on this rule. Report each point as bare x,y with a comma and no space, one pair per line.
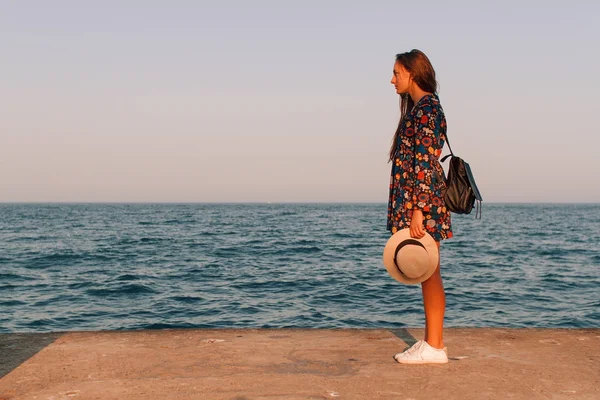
269,202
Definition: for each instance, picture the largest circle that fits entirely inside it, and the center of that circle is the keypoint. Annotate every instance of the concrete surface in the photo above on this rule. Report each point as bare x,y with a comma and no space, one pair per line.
291,364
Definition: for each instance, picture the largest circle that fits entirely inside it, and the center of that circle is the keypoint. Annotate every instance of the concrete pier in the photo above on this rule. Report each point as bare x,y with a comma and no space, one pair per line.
290,364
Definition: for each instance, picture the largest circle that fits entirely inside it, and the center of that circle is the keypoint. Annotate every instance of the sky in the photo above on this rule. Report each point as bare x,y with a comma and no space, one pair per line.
280,101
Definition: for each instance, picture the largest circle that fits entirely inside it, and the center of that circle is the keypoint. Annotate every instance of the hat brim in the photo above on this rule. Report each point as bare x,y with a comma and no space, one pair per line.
389,252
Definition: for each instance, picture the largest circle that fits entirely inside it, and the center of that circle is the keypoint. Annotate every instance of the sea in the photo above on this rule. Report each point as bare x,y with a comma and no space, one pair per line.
77,267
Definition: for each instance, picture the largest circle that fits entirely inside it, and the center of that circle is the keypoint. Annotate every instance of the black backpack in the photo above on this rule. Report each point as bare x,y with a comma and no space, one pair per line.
461,190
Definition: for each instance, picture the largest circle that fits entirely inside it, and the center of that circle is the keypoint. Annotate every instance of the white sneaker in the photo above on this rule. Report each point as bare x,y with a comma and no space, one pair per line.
422,353
414,348
410,350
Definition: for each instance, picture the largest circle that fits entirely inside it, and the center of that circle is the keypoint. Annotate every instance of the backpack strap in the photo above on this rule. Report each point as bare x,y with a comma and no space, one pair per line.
449,147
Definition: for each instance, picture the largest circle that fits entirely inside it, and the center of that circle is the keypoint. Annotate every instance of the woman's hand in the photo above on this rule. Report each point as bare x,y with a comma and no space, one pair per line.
417,230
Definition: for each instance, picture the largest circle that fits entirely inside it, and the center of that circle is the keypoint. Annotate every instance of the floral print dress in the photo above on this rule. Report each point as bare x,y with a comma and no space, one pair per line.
417,179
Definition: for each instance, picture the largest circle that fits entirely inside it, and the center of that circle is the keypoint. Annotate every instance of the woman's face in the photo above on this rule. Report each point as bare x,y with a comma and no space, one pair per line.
400,79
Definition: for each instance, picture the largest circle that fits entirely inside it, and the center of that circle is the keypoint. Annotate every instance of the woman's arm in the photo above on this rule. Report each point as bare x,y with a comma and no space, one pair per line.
427,133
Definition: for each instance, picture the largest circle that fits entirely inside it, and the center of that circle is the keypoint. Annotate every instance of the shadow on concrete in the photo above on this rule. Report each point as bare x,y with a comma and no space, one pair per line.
404,335
16,348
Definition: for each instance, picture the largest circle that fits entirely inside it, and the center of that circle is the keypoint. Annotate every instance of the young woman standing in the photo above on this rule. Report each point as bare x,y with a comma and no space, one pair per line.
417,185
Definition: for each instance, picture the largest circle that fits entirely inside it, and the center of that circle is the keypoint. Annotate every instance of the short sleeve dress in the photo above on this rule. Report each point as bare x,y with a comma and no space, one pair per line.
417,178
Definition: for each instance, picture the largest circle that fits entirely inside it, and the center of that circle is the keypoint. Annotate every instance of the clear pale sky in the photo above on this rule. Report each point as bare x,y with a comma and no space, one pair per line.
252,101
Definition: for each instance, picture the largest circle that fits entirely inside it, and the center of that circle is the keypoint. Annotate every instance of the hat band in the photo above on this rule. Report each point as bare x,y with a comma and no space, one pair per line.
401,245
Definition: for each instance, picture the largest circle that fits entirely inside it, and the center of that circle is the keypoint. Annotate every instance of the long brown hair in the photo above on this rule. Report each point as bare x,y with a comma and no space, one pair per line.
420,69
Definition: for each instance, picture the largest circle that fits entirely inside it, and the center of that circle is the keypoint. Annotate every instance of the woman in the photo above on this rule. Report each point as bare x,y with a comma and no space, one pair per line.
417,185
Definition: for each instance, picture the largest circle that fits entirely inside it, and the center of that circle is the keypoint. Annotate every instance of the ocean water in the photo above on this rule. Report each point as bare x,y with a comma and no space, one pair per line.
145,266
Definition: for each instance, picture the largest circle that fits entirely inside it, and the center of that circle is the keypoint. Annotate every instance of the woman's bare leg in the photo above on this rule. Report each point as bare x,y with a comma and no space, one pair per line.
434,301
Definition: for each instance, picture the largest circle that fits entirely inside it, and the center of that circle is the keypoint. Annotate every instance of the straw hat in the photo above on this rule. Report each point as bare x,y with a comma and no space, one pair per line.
410,260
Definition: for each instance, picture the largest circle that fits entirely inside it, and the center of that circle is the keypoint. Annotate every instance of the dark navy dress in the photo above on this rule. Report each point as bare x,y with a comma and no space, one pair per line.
417,178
